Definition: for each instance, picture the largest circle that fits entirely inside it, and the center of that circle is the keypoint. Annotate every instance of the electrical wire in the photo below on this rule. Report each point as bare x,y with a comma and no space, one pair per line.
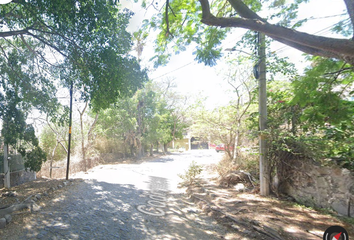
173,70
322,31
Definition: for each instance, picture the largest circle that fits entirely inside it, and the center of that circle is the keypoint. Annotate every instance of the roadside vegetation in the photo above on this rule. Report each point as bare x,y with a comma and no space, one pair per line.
48,47
309,117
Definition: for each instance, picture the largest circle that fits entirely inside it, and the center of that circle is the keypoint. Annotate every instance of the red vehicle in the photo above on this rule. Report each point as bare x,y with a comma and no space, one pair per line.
221,147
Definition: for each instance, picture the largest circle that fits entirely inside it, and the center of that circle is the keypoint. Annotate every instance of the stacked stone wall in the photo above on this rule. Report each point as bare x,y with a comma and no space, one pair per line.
324,187
18,177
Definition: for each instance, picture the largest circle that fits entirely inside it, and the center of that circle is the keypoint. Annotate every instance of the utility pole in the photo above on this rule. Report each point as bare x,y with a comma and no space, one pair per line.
262,83
6,167
70,121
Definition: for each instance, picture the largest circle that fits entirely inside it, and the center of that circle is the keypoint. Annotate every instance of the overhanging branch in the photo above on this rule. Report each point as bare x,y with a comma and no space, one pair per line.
311,44
13,33
316,45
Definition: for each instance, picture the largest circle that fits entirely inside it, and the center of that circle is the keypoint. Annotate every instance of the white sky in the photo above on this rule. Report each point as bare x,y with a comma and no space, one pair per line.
197,79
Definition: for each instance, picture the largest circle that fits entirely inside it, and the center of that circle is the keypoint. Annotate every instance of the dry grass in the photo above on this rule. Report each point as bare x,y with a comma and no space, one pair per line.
59,167
245,161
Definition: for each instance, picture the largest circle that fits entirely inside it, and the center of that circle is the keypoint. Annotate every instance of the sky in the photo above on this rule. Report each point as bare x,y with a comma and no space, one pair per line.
199,80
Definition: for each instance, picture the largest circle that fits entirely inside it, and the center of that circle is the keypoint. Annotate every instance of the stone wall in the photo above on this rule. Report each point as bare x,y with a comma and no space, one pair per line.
18,177
318,186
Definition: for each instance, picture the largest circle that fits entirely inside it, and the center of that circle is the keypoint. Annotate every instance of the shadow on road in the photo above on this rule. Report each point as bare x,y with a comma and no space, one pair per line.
99,210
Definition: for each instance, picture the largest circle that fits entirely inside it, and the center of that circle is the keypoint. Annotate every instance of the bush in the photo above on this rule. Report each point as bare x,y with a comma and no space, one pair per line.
226,165
246,161
191,174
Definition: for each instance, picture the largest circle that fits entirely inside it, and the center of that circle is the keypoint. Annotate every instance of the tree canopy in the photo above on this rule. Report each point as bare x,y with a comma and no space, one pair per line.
81,41
207,23
45,45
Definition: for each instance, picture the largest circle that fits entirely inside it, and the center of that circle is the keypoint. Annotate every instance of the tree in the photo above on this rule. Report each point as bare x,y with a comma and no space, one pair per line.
22,137
311,118
49,44
243,86
141,121
53,141
207,23
85,147
326,112
84,42
173,109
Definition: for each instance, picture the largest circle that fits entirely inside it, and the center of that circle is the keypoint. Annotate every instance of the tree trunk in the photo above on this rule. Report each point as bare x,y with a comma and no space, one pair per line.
131,149
51,160
6,167
124,149
138,149
237,145
83,142
151,150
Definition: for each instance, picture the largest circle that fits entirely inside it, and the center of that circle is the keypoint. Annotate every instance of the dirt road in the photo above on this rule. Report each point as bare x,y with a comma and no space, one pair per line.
126,201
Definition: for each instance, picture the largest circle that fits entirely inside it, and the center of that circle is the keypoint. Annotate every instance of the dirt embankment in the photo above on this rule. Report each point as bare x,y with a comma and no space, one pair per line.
232,202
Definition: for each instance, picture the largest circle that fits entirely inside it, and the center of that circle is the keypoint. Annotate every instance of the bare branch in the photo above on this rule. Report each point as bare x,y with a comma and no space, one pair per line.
57,134
340,71
166,18
47,43
27,45
92,127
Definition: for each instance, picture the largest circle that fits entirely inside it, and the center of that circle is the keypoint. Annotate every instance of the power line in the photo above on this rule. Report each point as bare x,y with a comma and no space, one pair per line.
173,71
324,30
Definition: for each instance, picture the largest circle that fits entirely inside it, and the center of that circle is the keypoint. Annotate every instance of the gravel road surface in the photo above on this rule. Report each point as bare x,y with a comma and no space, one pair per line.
127,201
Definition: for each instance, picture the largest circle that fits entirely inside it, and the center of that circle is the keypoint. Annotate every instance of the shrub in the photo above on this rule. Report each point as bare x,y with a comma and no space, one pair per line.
191,174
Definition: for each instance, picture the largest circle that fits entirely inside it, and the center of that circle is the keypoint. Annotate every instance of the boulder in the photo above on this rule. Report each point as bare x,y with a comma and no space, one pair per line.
2,223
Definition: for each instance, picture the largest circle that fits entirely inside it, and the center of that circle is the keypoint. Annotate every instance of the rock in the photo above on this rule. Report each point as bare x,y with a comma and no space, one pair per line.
38,196
213,195
35,208
247,232
8,218
60,186
2,223
65,184
237,228
240,187
12,194
45,194
192,211
255,222
234,178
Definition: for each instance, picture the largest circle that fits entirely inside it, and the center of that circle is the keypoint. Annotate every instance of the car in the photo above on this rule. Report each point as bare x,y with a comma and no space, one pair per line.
221,147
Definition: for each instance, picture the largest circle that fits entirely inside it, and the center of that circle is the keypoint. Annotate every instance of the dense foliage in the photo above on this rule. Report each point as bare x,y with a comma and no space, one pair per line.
205,24
311,116
142,122
48,44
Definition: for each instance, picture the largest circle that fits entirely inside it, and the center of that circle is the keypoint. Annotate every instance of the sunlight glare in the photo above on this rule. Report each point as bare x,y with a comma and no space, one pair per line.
5,1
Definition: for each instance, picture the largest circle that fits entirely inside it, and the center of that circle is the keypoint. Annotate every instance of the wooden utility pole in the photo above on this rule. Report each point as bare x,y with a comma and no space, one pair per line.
6,167
262,83
70,121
